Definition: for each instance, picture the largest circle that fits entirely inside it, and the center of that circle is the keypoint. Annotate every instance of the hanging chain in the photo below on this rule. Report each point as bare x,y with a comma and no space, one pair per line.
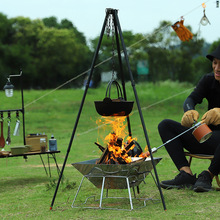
110,30
108,26
113,50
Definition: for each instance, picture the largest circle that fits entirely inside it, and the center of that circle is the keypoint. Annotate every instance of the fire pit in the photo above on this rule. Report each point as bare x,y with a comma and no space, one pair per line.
115,176
116,168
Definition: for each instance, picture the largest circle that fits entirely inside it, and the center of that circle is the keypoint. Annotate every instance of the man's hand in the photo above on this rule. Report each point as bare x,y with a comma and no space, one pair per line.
189,118
212,117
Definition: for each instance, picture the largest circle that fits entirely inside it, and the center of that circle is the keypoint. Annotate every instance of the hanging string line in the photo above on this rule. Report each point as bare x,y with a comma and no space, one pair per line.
83,73
194,9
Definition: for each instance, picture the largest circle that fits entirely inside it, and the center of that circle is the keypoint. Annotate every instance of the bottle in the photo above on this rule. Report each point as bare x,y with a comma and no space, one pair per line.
52,144
43,144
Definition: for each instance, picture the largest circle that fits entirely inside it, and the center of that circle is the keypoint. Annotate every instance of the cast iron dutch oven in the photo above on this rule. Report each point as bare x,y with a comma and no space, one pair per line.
114,107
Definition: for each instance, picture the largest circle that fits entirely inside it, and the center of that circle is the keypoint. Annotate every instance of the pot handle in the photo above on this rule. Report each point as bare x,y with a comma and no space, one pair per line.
108,90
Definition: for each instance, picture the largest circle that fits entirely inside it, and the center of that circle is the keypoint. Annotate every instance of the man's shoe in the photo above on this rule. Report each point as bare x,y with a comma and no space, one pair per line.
182,180
204,182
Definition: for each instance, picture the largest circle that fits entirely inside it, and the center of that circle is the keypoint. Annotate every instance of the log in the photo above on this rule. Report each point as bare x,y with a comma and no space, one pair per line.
106,154
104,157
100,146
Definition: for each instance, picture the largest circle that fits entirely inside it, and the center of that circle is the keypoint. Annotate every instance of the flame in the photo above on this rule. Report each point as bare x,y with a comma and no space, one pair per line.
119,150
114,125
117,140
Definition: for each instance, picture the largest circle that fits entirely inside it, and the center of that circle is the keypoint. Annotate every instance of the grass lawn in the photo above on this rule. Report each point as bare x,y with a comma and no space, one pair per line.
26,192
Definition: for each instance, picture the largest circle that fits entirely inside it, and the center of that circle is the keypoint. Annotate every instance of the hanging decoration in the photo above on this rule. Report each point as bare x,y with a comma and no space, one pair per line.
204,20
182,32
217,4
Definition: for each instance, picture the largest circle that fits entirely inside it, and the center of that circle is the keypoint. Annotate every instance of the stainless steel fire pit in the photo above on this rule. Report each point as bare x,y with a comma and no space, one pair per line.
114,176
115,173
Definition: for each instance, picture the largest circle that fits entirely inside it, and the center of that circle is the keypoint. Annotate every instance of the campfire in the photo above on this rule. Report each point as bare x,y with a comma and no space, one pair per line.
118,144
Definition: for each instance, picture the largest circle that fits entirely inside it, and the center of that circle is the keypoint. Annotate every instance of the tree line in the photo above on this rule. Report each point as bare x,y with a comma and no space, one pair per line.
51,52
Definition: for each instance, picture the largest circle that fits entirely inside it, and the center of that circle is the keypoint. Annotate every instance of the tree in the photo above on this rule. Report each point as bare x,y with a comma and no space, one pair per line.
23,46
47,55
59,56
214,45
51,22
5,31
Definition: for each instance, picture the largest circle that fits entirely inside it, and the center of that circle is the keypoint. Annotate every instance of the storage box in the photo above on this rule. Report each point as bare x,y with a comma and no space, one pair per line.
18,150
34,141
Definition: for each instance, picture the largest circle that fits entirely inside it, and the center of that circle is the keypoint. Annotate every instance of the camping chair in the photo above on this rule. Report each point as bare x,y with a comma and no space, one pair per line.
202,156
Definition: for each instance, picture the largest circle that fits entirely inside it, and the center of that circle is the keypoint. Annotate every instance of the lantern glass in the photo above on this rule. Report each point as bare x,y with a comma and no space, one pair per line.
8,89
9,92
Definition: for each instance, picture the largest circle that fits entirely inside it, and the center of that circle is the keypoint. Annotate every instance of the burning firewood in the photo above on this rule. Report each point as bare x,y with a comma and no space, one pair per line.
105,157
115,151
119,142
100,146
129,146
120,160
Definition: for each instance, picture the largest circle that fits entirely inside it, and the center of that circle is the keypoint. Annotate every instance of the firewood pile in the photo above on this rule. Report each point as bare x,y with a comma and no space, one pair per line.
116,152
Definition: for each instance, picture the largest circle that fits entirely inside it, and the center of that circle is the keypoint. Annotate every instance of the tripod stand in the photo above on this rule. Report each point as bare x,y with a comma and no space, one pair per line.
118,34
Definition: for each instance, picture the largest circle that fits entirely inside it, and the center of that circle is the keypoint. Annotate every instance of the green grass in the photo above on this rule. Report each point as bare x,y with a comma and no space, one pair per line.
26,192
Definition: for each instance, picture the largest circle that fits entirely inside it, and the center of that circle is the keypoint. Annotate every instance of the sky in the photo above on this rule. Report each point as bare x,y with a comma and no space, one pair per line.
138,16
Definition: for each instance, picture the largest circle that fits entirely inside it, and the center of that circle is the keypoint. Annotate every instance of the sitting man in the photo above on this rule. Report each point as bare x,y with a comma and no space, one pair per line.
208,88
